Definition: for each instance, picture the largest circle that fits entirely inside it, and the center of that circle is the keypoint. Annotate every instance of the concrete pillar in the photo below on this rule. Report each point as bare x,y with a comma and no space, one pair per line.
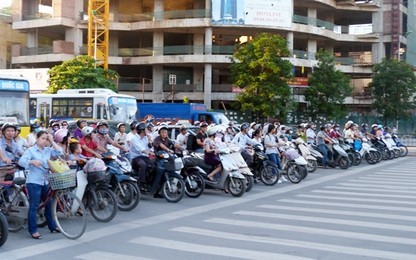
329,47
32,39
312,49
157,80
378,49
208,4
207,85
290,41
198,43
158,43
158,8
74,35
113,44
208,41
114,7
312,15
198,78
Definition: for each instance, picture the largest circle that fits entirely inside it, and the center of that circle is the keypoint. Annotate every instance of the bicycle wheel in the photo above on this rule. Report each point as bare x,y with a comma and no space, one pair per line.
70,222
104,209
41,218
4,229
131,197
14,205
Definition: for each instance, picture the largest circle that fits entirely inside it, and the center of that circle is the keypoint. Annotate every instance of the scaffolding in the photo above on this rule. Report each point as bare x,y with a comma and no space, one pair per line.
98,33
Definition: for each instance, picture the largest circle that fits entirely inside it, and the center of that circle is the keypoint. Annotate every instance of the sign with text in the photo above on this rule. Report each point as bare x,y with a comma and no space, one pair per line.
253,12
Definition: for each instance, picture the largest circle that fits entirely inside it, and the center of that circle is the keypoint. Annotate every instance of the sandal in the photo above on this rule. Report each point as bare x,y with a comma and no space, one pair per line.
211,178
226,191
55,230
79,213
36,237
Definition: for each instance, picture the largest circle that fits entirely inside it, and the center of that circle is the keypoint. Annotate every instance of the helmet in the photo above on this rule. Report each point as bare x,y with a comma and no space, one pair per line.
282,127
36,120
120,124
87,130
80,121
252,124
33,127
364,125
8,125
162,127
336,125
102,123
322,127
183,127
328,125
61,134
52,121
386,128
349,122
56,123
311,124
221,129
379,126
244,126
231,123
373,125
196,123
133,125
212,130
150,125
18,128
203,124
140,127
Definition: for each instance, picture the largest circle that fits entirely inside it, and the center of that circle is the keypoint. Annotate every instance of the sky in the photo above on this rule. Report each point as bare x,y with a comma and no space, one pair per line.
5,3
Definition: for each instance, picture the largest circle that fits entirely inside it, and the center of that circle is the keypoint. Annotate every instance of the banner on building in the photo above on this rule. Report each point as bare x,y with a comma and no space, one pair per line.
253,12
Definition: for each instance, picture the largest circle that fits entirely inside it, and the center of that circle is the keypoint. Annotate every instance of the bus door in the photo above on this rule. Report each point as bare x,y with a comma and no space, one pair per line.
44,112
101,111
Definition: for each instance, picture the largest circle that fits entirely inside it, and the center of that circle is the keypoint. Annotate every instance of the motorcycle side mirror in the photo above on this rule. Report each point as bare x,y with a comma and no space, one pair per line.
9,149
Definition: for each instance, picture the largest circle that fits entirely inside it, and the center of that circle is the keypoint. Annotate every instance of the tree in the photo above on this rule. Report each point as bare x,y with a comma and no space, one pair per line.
79,73
393,87
258,68
328,88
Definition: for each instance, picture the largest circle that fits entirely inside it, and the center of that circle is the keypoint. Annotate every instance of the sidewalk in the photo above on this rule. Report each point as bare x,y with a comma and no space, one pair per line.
412,151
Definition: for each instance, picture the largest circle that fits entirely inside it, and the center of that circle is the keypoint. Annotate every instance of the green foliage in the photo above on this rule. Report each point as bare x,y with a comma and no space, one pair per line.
79,73
393,88
328,88
259,69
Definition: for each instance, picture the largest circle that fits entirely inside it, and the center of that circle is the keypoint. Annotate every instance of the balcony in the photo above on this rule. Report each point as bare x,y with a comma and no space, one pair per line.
166,15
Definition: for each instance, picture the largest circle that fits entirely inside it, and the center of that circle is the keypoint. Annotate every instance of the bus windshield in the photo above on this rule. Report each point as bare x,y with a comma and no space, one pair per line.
122,108
14,107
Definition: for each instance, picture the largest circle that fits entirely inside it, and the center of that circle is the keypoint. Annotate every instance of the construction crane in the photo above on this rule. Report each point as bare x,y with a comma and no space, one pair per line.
98,34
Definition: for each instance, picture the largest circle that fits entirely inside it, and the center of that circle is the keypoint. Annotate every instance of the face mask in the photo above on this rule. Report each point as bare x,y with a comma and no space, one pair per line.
336,128
290,132
56,128
102,131
365,128
37,130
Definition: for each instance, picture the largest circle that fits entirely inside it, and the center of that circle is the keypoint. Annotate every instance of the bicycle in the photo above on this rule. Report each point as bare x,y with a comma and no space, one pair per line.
4,229
65,205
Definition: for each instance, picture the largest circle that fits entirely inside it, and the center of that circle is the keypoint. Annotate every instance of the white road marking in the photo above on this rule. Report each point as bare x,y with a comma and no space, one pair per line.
99,255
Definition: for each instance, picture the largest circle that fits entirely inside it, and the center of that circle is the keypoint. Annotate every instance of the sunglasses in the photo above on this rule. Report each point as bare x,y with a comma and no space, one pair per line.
64,125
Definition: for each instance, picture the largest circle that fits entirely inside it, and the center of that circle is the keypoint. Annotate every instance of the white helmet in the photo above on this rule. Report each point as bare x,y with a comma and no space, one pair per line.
282,127
87,130
212,130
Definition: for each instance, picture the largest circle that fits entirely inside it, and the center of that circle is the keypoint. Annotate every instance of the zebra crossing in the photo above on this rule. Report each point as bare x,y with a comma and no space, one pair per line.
363,217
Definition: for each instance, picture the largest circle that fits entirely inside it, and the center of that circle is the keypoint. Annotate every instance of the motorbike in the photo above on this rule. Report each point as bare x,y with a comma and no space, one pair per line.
340,157
368,153
263,168
231,179
293,164
124,186
353,154
165,177
192,175
397,150
306,154
242,166
383,148
403,148
4,229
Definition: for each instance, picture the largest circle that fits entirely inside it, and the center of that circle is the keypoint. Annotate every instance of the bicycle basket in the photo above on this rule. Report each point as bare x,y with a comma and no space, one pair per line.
59,181
99,176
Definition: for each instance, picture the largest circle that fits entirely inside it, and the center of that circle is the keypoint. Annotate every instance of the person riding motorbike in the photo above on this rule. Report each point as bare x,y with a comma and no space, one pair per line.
88,145
201,136
102,138
310,133
321,137
120,136
9,131
140,148
81,123
241,140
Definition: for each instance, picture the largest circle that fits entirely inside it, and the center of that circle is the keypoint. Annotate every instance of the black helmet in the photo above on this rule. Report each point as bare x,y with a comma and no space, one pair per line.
101,123
310,124
33,127
80,121
364,125
8,125
386,128
336,125
120,124
133,125
244,126
323,127
140,127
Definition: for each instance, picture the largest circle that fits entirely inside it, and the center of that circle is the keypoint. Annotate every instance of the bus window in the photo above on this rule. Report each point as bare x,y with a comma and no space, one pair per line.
101,111
32,107
63,107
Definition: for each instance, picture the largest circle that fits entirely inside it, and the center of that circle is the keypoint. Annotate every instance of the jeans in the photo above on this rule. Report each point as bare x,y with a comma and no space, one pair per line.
247,157
275,158
326,153
36,192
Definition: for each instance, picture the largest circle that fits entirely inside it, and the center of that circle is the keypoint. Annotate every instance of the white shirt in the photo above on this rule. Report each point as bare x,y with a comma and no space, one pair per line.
31,139
242,139
310,136
129,137
182,138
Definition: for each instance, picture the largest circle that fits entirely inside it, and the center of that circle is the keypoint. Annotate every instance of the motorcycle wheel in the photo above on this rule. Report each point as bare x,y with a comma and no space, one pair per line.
198,185
294,173
131,197
312,165
267,176
238,188
357,158
304,171
403,151
386,153
4,229
175,192
391,155
371,157
380,156
351,160
397,153
41,218
344,163
249,182
105,208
